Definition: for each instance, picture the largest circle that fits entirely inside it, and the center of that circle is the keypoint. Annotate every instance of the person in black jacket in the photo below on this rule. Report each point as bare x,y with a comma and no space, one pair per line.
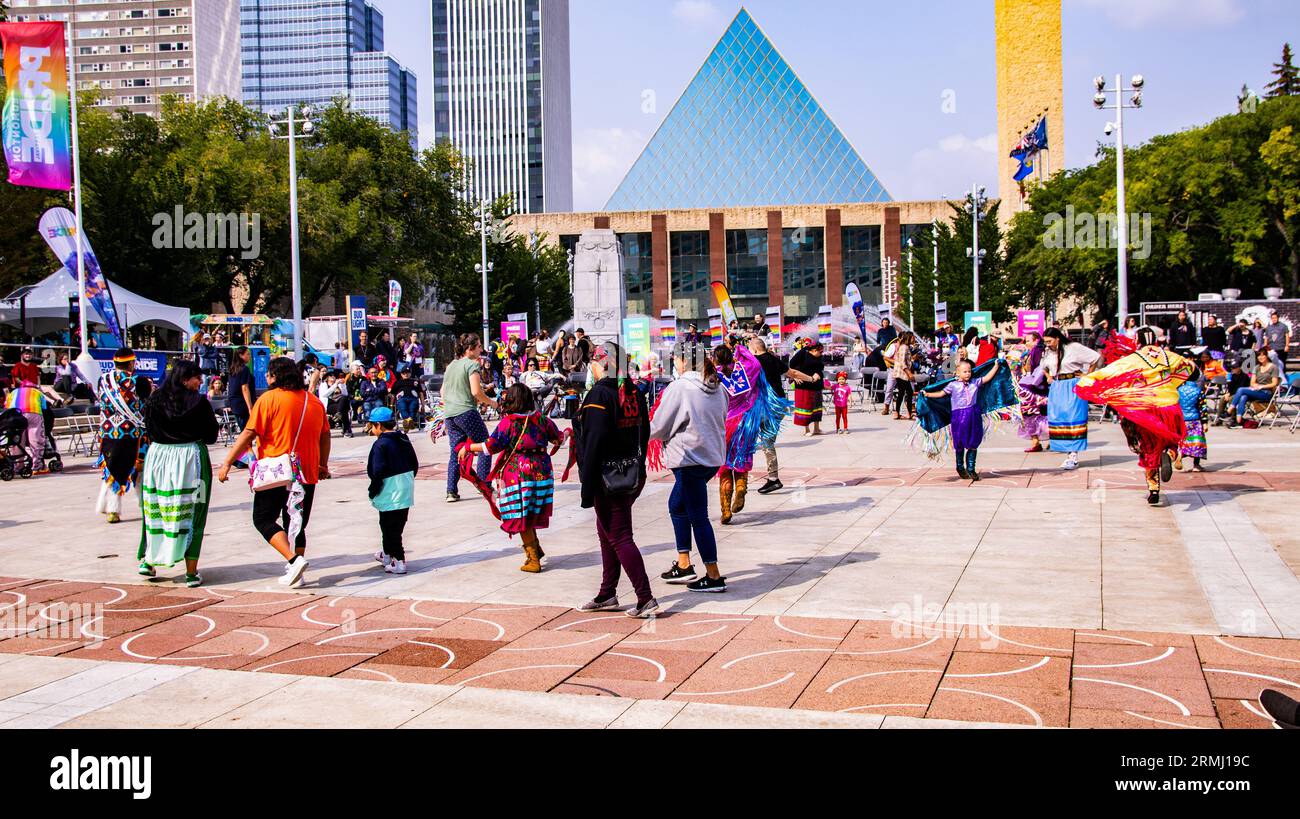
1214,335
391,468
612,430
1182,335
177,476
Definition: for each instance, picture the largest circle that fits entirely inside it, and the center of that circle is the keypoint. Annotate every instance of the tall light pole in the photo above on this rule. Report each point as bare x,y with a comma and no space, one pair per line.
535,245
911,288
1101,100
483,225
975,207
294,128
934,273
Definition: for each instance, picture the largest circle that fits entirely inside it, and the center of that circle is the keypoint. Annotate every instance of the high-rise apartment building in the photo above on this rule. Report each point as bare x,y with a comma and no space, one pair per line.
501,96
134,52
313,52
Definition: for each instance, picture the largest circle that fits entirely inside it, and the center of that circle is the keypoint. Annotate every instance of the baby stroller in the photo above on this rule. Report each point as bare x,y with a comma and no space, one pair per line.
14,459
53,460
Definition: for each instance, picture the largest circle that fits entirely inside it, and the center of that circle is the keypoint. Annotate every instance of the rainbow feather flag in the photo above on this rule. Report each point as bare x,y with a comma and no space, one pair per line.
35,125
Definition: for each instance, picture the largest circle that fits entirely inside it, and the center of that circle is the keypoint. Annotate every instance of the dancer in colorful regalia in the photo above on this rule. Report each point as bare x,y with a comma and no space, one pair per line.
957,412
1142,387
122,437
755,415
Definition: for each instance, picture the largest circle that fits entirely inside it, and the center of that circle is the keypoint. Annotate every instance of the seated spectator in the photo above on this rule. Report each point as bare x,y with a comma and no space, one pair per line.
1263,384
216,388
374,393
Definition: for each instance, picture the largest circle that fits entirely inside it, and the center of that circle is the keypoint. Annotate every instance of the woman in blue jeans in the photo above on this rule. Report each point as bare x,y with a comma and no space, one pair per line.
462,392
1263,384
690,421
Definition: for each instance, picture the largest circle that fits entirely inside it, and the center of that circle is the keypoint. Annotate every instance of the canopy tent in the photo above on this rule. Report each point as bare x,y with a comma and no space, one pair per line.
47,307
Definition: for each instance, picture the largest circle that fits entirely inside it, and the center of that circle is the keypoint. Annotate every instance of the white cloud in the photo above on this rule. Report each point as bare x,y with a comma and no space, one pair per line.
1182,13
947,168
701,13
601,158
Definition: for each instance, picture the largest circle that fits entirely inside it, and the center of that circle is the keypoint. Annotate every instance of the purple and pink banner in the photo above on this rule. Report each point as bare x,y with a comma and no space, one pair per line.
34,125
1030,321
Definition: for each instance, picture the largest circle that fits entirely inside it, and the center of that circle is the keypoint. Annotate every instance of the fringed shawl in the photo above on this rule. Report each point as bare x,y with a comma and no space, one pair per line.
998,404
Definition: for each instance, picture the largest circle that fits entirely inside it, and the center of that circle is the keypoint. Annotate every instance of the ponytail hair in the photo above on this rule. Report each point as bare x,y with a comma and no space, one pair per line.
466,342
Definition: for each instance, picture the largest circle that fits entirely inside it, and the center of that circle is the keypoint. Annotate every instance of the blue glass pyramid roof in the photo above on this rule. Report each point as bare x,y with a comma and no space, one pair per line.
746,132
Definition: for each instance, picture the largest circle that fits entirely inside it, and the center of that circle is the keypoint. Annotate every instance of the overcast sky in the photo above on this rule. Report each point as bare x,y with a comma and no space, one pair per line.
881,70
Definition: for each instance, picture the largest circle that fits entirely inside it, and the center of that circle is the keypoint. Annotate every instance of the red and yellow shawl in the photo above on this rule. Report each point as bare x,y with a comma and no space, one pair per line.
1143,388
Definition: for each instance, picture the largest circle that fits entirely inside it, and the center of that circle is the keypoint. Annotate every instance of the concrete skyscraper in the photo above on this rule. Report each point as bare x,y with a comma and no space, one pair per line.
317,51
135,53
501,96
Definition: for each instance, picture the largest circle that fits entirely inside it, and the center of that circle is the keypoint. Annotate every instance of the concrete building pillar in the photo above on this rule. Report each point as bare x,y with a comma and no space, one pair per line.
891,256
775,270
834,258
660,283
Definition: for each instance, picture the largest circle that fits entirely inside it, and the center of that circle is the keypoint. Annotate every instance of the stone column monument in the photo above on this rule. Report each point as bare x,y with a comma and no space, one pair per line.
599,295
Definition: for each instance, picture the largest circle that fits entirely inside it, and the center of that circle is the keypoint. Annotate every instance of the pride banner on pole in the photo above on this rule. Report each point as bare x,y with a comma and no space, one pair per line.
715,326
1030,321
772,317
824,325
34,126
59,229
667,328
394,296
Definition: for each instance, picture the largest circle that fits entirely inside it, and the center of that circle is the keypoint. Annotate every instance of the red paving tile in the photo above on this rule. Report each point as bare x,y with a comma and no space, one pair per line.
800,631
1026,676
1019,706
871,686
1057,642
1047,478
635,689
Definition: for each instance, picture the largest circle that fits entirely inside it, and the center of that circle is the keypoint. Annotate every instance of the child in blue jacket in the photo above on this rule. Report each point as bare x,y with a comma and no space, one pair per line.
391,470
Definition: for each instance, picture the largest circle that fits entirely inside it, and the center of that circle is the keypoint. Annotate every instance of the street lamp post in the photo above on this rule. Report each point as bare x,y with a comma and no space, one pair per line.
483,225
1101,101
911,287
975,208
934,273
535,245
292,134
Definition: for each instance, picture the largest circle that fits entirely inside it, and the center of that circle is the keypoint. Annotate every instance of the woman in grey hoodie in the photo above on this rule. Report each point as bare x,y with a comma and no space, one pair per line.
691,420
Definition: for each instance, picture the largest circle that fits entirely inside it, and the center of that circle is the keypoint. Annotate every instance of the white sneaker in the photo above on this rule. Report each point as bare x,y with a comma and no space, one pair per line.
395,567
381,557
293,571
1070,463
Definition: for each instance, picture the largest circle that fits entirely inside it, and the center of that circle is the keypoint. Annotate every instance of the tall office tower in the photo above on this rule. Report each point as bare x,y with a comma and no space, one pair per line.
312,51
134,52
501,96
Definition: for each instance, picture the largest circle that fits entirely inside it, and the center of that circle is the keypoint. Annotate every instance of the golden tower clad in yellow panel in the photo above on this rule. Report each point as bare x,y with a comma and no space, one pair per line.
1028,38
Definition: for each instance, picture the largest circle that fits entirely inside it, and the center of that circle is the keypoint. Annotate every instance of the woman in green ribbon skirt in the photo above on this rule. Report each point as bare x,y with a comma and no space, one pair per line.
177,479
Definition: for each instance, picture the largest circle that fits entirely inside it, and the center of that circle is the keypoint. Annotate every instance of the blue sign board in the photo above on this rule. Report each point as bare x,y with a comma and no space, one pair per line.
147,362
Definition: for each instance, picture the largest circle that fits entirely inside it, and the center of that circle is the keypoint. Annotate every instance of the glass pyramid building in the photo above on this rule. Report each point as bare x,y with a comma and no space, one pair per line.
746,132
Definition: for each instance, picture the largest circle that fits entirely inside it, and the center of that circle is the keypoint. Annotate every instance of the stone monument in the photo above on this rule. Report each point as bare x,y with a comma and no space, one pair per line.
599,295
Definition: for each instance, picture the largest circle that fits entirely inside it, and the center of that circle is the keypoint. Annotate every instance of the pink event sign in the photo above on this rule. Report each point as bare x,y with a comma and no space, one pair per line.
1030,321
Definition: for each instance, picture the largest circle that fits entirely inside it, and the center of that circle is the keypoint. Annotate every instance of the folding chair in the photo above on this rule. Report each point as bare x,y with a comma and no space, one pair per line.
1284,397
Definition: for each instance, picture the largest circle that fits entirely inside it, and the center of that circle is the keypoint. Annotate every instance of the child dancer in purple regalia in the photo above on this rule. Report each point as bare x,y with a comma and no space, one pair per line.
967,420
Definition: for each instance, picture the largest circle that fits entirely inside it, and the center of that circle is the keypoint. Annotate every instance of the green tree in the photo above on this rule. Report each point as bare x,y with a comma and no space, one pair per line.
1287,77
1221,205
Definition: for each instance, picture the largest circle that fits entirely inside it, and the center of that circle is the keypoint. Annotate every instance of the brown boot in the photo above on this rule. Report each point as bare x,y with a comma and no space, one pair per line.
532,553
742,486
725,488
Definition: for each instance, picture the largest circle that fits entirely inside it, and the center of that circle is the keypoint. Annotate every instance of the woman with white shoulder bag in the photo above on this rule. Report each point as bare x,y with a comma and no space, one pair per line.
293,450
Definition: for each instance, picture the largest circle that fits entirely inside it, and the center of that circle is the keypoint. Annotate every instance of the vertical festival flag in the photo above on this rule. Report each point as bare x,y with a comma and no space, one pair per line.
723,296
853,298
59,229
34,125
824,325
667,327
715,326
772,318
394,296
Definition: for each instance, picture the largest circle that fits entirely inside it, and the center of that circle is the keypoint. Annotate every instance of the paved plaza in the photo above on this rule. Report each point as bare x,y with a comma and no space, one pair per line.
876,590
